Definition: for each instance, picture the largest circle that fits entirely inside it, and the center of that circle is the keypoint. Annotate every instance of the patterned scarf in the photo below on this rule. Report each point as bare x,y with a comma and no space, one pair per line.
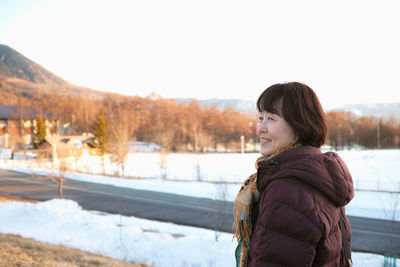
246,210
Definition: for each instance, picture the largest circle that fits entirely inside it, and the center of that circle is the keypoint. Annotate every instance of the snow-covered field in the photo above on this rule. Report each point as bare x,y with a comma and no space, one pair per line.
161,244
371,169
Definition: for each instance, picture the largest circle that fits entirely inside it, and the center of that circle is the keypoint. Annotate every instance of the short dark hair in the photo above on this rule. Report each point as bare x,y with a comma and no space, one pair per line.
300,108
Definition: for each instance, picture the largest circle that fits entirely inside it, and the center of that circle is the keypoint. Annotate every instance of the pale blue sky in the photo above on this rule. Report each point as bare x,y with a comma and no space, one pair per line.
347,51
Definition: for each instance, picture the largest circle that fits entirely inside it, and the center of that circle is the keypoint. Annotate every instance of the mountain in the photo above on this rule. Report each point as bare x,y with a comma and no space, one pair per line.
386,110
14,64
20,74
221,104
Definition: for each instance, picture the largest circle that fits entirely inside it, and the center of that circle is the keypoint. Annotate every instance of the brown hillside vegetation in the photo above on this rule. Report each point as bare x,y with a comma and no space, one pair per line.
18,251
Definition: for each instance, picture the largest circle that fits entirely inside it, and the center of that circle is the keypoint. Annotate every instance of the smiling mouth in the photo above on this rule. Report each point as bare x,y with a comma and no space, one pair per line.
264,140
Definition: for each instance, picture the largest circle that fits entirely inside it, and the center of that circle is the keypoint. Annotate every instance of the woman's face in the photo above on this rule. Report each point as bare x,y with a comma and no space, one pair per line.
274,132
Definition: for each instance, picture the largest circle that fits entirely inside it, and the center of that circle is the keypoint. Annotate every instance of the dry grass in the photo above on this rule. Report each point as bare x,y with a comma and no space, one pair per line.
18,251
11,198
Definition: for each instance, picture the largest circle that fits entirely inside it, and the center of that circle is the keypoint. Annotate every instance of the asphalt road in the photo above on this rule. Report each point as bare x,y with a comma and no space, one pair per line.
368,235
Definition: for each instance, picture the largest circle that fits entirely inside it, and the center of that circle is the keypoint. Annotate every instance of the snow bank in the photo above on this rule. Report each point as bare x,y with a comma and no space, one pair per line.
129,238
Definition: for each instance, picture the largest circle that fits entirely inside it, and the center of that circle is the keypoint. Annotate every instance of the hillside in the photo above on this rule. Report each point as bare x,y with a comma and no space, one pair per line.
21,76
15,65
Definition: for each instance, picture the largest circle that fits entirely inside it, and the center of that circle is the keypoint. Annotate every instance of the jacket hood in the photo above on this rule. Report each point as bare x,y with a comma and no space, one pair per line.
324,171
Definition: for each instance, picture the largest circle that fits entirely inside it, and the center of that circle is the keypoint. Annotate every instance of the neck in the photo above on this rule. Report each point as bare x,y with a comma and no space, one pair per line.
288,147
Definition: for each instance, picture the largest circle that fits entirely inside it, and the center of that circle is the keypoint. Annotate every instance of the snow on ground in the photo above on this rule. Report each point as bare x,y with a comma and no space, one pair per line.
128,238
374,169
64,222
371,169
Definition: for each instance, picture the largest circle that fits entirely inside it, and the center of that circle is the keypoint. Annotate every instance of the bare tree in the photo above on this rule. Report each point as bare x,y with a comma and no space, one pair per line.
119,146
121,132
21,112
58,177
220,218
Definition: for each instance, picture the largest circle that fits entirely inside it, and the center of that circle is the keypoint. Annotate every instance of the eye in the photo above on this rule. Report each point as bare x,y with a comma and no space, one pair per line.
260,118
270,118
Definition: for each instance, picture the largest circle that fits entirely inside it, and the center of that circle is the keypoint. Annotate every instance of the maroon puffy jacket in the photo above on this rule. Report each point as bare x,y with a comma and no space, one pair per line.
298,223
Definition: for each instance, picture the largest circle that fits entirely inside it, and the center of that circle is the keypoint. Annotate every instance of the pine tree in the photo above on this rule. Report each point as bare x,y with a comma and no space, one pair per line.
100,132
40,133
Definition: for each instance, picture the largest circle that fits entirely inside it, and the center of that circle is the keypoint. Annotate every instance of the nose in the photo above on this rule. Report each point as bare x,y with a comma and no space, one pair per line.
262,127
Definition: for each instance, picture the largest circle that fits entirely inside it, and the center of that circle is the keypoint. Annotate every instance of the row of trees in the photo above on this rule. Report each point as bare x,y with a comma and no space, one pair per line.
174,126
190,127
345,129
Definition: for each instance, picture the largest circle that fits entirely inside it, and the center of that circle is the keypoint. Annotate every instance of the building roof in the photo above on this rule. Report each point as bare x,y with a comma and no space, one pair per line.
22,112
70,141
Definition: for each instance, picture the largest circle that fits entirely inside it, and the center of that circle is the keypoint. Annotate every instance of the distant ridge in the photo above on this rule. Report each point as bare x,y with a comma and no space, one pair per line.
386,110
221,104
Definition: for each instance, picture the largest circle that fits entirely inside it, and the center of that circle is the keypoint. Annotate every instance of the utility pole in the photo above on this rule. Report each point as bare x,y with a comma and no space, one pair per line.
242,144
378,130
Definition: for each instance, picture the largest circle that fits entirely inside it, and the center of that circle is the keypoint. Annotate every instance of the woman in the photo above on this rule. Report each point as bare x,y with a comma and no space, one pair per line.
288,213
